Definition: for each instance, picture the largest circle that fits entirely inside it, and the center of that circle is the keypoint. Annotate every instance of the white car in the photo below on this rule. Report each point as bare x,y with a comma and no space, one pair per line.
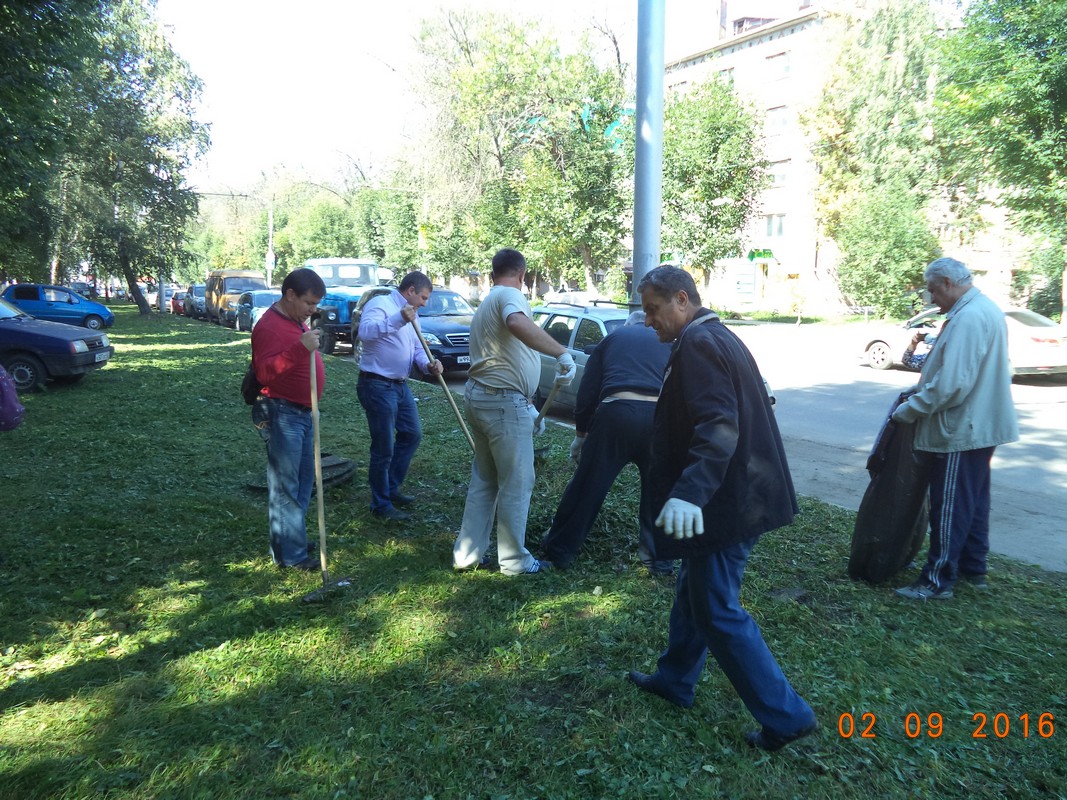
1036,344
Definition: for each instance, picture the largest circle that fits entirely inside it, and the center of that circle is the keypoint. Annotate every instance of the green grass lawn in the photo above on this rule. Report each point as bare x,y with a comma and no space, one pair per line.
149,649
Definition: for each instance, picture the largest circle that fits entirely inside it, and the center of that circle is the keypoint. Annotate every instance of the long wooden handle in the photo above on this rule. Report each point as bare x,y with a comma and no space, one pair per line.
444,386
318,466
544,409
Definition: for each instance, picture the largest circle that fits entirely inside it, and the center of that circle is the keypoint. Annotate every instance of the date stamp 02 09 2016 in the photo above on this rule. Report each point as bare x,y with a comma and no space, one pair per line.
999,725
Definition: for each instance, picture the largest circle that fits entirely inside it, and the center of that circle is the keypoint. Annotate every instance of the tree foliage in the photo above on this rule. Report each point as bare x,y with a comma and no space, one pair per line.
521,151
105,184
713,168
1003,105
873,122
43,45
876,154
885,243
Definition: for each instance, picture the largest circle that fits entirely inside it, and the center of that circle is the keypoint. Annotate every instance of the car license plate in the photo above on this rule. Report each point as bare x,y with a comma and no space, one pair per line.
463,359
102,356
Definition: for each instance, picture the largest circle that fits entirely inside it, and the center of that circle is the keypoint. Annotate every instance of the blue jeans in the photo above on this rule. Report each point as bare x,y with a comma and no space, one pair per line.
502,479
390,408
287,430
707,616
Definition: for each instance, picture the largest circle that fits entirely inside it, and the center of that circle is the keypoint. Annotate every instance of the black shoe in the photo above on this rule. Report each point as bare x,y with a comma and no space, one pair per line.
772,742
648,683
392,513
402,499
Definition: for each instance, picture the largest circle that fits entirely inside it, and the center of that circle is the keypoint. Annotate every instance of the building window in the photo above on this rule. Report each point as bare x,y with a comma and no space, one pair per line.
778,66
726,76
777,120
775,225
779,171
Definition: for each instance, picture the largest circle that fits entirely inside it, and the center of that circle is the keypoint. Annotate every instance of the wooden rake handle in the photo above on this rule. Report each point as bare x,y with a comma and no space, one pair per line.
444,386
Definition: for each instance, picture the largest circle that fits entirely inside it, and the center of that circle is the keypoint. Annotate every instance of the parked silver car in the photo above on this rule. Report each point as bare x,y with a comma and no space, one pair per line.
579,329
1036,344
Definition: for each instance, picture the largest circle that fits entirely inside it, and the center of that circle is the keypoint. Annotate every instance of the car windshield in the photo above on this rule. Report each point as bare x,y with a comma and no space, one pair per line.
9,311
1030,318
198,291
347,274
612,324
442,304
235,285
265,300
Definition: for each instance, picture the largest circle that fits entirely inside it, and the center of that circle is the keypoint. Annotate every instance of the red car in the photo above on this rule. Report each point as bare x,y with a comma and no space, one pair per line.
177,303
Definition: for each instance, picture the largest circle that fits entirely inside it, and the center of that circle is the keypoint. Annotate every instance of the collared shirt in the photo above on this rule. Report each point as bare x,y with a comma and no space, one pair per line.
283,364
390,344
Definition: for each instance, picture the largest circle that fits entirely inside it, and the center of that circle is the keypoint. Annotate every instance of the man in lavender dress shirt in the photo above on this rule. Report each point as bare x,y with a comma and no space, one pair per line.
390,346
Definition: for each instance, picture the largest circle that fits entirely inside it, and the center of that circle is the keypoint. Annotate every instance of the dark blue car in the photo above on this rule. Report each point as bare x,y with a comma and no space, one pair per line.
59,304
35,350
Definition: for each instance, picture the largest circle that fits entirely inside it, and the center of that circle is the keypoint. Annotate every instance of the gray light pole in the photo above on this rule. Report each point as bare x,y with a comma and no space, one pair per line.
648,162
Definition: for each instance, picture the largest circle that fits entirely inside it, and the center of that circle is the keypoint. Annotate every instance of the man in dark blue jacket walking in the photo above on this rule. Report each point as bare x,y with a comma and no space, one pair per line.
721,479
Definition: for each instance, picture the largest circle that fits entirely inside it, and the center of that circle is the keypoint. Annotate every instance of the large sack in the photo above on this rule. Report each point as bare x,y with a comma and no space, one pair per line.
894,513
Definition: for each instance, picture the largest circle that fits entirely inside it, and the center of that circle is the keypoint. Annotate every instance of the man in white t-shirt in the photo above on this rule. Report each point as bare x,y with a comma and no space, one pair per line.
503,375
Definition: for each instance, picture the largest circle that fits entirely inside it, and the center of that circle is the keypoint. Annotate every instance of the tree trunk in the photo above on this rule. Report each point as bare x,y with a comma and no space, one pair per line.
131,281
590,271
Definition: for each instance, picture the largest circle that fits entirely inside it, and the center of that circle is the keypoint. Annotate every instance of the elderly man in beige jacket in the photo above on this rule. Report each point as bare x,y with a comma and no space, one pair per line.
962,409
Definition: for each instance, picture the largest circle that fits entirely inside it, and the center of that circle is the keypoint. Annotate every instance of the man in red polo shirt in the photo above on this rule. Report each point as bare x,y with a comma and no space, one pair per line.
282,351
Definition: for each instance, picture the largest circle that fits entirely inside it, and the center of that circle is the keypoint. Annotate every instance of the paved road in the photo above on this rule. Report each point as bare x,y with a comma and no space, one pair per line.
830,408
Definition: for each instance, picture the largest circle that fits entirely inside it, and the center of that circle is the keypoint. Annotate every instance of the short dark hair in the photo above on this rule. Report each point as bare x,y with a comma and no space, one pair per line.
508,262
416,280
302,281
667,281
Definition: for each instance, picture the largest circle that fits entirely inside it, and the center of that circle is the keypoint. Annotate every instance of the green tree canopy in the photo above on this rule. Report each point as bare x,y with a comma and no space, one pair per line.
885,244
713,168
43,45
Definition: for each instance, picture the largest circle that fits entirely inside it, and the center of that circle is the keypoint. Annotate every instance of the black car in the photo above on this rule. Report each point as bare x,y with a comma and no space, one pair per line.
445,322
35,350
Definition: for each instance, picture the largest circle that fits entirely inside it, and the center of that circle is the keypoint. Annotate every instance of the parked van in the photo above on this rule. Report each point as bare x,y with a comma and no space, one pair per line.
224,286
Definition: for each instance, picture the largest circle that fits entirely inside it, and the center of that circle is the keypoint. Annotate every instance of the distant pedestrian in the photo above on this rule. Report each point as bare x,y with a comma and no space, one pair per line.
391,347
283,348
504,372
613,427
721,479
962,409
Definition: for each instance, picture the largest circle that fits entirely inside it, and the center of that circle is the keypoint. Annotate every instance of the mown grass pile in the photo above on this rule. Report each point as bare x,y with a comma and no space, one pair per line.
149,648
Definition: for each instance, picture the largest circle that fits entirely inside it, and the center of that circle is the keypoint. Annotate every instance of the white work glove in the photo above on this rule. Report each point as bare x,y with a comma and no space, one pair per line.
680,519
576,447
565,369
539,427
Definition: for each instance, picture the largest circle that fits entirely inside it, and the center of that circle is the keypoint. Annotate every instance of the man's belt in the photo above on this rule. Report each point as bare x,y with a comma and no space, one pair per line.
648,398
375,376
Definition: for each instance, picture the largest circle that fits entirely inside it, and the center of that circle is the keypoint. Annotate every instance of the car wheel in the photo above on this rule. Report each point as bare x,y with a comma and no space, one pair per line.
237,326
94,322
879,356
26,371
327,341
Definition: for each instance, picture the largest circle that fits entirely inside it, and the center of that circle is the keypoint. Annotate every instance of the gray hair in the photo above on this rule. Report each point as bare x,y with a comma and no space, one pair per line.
666,281
635,318
956,271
